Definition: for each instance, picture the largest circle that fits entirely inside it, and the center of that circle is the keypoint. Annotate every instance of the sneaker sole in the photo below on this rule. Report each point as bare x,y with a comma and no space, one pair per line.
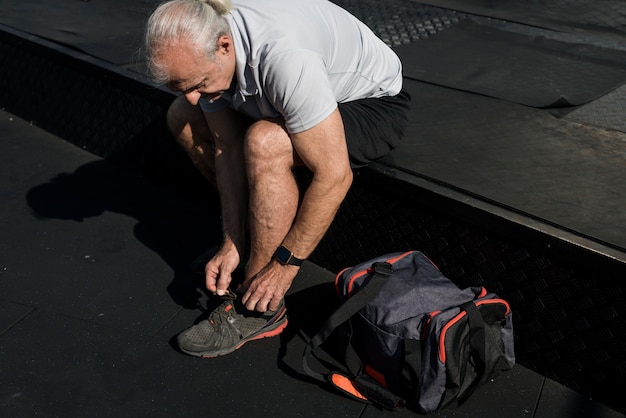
276,329
270,333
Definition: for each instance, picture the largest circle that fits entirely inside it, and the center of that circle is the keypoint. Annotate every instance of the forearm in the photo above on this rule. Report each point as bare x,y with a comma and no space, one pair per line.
323,150
317,211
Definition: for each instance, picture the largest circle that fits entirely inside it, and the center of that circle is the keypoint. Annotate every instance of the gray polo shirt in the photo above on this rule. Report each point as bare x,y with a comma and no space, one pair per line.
299,58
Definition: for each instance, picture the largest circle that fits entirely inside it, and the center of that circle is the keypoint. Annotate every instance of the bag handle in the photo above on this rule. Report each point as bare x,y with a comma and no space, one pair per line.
381,272
477,345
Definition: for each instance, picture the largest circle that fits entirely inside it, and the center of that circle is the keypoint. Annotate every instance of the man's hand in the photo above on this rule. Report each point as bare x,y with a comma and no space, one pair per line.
269,286
219,270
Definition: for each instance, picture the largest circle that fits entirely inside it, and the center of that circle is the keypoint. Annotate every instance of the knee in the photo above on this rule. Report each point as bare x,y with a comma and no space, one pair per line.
267,145
175,117
185,122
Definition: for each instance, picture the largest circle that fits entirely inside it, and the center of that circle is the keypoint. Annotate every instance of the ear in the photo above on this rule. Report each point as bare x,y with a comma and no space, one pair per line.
225,45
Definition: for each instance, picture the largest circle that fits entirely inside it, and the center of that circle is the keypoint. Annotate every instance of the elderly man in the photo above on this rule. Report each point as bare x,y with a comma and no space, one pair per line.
267,86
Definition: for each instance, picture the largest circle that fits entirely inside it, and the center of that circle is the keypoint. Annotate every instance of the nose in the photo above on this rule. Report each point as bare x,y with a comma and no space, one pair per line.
193,97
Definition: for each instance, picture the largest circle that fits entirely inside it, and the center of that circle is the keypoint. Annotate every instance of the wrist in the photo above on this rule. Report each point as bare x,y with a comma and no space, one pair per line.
229,244
286,257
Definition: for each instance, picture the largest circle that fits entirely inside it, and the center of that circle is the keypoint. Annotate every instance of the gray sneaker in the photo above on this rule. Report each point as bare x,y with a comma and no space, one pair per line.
229,327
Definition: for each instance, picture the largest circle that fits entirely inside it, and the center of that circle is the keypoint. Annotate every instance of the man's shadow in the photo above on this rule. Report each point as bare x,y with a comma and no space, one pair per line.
169,225
178,231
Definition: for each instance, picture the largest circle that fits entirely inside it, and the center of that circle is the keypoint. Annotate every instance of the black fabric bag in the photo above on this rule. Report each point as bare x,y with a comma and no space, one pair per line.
410,337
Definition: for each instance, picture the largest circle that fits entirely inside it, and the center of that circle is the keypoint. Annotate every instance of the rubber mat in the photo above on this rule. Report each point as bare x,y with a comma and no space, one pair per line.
96,310
564,173
607,111
86,25
605,16
528,70
399,22
83,25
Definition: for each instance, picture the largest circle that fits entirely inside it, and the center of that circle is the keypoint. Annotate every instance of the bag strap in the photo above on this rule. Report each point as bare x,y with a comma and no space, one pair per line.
477,345
381,272
413,367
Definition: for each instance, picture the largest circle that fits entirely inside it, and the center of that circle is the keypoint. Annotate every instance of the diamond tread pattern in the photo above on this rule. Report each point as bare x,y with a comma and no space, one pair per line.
567,318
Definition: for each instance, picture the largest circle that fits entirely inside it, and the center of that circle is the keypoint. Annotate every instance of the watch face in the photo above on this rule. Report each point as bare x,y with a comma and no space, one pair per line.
283,255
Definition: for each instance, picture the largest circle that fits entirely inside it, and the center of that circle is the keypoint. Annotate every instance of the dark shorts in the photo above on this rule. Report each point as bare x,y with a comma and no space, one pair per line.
374,126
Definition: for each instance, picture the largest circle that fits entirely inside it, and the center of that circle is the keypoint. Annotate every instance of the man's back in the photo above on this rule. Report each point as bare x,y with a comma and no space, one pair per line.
299,58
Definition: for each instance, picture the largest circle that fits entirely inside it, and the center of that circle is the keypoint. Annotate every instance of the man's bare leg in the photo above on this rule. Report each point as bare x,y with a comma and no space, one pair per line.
213,142
269,158
273,191
189,127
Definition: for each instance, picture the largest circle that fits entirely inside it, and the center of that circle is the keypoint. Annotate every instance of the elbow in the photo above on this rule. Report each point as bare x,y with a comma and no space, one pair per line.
347,179
335,182
342,182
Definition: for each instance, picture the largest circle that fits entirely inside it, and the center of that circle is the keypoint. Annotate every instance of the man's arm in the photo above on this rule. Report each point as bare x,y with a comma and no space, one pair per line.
323,150
228,129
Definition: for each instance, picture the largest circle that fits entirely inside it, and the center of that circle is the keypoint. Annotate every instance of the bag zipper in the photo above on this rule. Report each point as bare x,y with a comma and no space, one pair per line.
457,318
363,272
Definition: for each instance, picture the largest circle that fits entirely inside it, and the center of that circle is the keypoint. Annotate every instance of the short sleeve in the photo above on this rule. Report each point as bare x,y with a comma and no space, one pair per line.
297,85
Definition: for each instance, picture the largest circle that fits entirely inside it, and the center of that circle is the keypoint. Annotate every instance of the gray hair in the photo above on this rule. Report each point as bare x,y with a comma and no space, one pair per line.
199,22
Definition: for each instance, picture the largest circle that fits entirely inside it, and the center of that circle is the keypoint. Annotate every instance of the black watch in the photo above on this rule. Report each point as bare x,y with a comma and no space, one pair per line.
284,256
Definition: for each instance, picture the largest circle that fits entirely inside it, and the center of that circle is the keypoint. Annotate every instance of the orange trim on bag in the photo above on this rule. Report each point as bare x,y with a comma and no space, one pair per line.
369,270
432,262
356,276
393,260
343,383
429,319
337,281
502,301
457,318
376,375
442,337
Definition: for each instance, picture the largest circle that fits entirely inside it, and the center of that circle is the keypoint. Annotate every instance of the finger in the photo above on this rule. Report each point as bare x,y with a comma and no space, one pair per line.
211,279
253,300
250,300
222,283
263,304
274,304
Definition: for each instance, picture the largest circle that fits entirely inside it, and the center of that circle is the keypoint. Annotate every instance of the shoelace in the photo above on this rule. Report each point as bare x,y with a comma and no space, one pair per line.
223,312
219,315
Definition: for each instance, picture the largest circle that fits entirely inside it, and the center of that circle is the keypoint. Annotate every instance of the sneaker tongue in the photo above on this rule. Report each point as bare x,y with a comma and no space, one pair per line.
218,315
237,293
229,307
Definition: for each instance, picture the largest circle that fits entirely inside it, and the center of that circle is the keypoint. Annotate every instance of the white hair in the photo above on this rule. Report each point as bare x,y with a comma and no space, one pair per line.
198,22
